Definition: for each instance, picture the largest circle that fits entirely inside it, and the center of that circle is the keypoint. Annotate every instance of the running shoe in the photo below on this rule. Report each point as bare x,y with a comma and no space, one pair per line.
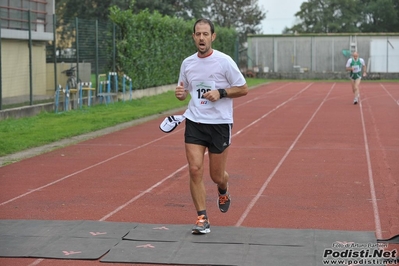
202,226
224,202
355,101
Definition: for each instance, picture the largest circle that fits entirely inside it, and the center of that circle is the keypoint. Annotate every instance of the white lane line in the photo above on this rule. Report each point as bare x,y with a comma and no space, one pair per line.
100,163
36,262
371,179
262,96
184,166
274,109
397,101
80,171
264,186
142,194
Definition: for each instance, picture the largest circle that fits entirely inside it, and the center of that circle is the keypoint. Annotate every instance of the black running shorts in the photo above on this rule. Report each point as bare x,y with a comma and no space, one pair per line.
216,137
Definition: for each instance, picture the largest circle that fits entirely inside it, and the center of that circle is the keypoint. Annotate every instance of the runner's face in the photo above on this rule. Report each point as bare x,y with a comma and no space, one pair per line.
203,38
355,56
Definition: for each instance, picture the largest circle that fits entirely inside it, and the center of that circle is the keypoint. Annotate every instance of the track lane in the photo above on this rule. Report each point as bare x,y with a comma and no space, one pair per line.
272,133
134,217
381,114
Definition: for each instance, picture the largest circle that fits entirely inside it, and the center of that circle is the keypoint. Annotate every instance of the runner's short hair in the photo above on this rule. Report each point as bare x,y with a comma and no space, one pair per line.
205,20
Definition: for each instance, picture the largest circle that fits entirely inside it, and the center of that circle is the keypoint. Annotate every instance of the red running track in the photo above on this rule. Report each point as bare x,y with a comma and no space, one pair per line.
303,156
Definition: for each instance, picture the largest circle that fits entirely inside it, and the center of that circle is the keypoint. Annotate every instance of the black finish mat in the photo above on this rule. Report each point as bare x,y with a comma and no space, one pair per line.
59,239
174,244
276,255
36,227
156,232
392,240
75,248
115,242
22,246
96,229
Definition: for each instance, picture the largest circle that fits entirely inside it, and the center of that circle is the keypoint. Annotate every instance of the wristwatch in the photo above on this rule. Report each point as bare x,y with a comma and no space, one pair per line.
223,93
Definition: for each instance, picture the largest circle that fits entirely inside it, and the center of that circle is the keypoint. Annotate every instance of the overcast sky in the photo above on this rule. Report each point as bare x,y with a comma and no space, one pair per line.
280,14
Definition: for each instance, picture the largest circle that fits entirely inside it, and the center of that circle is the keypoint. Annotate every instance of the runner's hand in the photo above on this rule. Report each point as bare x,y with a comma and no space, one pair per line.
212,95
180,93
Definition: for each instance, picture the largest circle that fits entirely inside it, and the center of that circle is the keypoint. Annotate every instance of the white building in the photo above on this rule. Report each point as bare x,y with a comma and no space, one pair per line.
17,56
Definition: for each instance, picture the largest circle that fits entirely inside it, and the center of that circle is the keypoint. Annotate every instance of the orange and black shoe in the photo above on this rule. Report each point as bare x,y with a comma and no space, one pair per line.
224,202
202,226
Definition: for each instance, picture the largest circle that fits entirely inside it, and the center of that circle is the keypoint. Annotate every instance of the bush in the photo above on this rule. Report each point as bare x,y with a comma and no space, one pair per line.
151,47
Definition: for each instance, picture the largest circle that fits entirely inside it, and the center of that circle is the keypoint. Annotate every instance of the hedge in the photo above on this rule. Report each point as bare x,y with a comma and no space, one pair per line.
150,47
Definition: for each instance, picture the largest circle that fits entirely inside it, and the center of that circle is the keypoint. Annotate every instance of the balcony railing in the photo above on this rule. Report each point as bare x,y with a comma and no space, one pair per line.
17,18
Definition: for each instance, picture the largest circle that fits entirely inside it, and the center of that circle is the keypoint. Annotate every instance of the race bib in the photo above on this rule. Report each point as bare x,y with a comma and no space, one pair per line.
197,94
356,68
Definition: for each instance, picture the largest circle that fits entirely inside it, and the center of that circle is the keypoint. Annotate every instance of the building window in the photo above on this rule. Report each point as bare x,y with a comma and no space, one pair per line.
14,14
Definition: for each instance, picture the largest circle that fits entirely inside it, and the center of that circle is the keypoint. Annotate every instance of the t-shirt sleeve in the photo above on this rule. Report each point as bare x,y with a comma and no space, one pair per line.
348,63
182,76
233,74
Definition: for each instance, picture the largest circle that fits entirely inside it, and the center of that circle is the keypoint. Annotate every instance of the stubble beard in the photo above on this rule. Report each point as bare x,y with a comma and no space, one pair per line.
203,52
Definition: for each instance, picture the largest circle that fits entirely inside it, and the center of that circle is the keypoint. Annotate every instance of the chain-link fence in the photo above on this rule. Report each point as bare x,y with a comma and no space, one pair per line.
84,41
38,64
37,60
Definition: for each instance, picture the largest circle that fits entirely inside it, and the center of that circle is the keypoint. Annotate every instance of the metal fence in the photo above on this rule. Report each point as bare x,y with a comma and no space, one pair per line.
321,54
83,40
34,65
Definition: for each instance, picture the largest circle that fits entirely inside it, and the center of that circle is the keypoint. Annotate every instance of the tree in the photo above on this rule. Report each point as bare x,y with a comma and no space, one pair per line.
99,9
243,15
380,16
88,9
328,16
334,16
186,9
193,9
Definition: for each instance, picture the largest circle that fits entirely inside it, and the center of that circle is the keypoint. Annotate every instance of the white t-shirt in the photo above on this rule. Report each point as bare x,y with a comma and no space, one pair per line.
199,75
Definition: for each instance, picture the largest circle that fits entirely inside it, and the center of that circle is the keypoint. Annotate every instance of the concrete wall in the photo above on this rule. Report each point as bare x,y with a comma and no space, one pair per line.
316,53
324,76
50,107
15,68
